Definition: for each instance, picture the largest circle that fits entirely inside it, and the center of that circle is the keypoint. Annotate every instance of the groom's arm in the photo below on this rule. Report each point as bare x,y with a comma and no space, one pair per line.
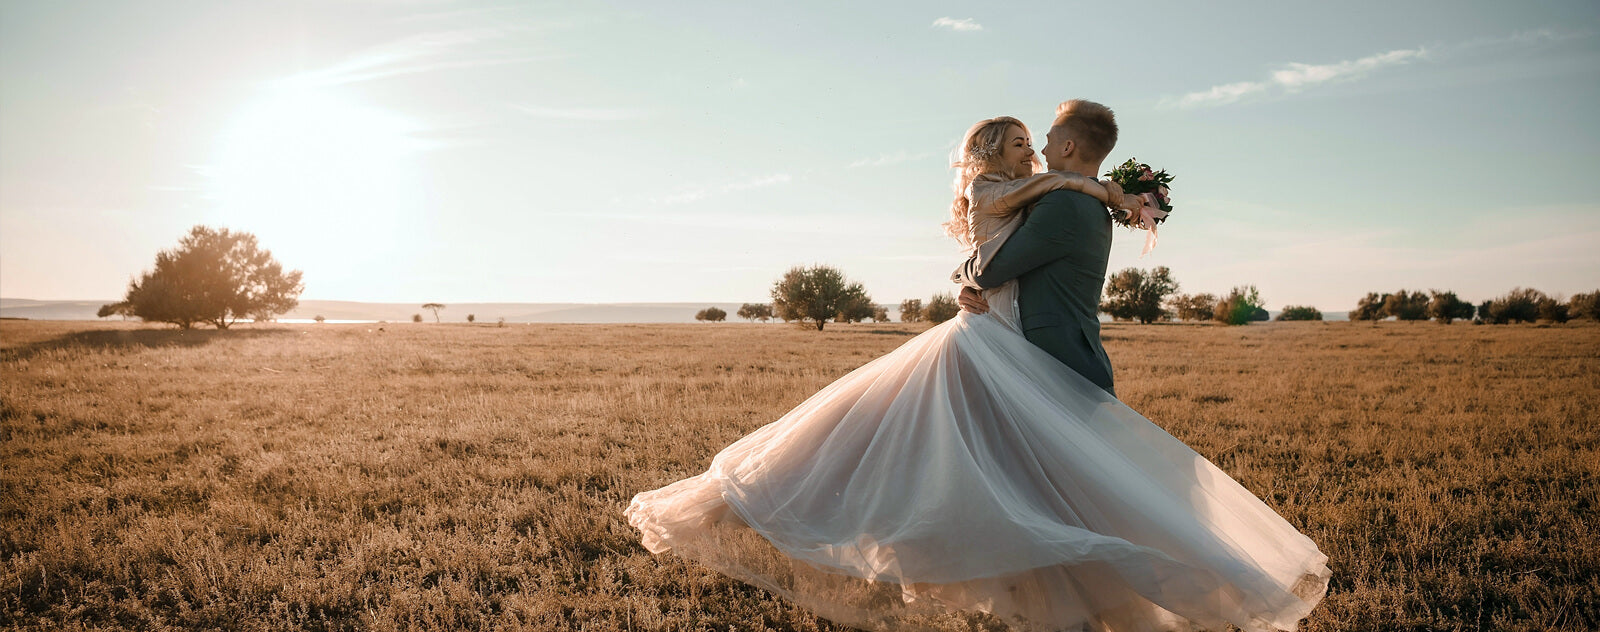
1054,227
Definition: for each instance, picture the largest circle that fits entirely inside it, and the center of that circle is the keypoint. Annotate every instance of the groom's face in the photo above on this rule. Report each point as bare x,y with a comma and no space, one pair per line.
1056,149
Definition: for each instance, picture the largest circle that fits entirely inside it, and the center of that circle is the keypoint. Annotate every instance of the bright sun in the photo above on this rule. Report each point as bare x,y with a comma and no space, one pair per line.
319,180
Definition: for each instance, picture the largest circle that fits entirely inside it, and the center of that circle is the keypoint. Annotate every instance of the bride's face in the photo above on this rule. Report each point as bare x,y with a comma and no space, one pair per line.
1017,157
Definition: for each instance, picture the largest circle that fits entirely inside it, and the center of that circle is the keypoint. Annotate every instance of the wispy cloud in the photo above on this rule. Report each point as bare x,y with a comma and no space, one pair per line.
1298,76
423,52
891,159
696,193
1219,95
1530,37
583,113
963,24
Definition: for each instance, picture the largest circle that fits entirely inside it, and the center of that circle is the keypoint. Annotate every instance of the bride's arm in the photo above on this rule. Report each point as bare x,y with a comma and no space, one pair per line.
1107,191
1004,199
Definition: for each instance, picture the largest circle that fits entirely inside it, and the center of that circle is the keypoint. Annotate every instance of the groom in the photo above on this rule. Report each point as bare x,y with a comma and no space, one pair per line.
1059,254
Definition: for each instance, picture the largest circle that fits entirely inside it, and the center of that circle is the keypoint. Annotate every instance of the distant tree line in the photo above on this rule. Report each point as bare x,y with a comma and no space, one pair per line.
815,295
1520,305
1150,296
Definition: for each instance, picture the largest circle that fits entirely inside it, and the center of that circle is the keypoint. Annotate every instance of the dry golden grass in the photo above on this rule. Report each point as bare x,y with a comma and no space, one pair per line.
446,477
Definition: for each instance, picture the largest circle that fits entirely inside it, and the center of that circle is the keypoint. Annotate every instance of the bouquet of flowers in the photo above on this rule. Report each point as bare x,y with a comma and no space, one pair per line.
1150,186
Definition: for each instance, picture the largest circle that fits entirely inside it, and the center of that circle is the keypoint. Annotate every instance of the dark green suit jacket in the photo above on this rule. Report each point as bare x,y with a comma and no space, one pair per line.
1058,257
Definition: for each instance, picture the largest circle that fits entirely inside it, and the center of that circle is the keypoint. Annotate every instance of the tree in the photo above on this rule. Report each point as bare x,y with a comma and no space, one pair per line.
1299,312
435,307
124,310
1197,307
1585,305
858,308
814,295
1553,310
911,310
416,318
1406,305
1445,307
318,318
941,307
880,314
214,276
1518,305
472,318
711,314
1239,306
753,311
1370,307
1134,294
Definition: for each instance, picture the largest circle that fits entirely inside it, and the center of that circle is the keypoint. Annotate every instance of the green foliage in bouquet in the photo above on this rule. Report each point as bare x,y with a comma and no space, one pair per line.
1136,178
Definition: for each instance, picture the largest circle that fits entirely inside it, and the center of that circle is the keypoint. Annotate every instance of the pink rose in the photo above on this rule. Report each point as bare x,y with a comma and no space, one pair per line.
1147,175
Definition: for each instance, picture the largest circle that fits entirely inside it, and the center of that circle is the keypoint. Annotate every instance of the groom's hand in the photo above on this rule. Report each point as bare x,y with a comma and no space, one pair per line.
972,301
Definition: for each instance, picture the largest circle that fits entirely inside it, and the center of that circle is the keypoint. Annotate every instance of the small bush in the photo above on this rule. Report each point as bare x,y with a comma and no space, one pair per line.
911,310
1299,312
1586,305
1240,306
711,314
1370,307
1406,305
1445,307
941,307
1520,305
1197,307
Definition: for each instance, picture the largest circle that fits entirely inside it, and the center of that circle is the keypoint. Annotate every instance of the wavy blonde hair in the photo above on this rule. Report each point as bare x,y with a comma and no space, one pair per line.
978,154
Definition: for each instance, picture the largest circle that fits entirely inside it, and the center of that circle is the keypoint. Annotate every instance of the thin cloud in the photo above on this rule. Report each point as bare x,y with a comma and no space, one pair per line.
963,24
891,159
1222,94
696,193
1298,76
424,52
583,113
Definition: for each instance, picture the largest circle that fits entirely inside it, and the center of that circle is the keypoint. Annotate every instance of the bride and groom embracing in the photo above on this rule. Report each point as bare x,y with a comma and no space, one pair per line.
985,465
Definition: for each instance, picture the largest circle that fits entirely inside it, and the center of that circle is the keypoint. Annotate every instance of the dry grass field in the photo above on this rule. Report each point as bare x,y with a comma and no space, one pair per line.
455,477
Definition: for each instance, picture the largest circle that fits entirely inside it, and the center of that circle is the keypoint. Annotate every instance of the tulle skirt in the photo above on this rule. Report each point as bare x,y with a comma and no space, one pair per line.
968,470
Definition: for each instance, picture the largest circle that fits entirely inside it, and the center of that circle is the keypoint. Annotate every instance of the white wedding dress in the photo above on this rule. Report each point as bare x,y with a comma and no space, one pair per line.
968,470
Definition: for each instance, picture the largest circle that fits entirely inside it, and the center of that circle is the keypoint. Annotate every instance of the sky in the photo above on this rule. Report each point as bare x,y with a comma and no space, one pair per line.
446,151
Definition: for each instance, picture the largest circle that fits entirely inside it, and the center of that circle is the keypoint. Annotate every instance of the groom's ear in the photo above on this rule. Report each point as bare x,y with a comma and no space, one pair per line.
1067,147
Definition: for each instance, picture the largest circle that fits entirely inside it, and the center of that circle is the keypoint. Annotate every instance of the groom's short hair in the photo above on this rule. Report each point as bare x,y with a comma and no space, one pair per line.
1091,125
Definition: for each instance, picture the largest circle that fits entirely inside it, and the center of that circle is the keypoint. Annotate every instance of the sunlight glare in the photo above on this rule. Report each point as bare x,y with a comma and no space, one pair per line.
318,179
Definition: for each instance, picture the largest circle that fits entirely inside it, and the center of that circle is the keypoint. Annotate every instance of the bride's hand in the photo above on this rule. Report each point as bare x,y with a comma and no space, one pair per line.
1115,198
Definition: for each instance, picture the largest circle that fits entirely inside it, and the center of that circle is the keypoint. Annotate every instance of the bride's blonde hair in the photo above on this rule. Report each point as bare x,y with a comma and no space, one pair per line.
979,153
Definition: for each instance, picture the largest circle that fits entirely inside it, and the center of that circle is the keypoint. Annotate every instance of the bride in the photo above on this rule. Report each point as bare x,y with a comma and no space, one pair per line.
969,470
